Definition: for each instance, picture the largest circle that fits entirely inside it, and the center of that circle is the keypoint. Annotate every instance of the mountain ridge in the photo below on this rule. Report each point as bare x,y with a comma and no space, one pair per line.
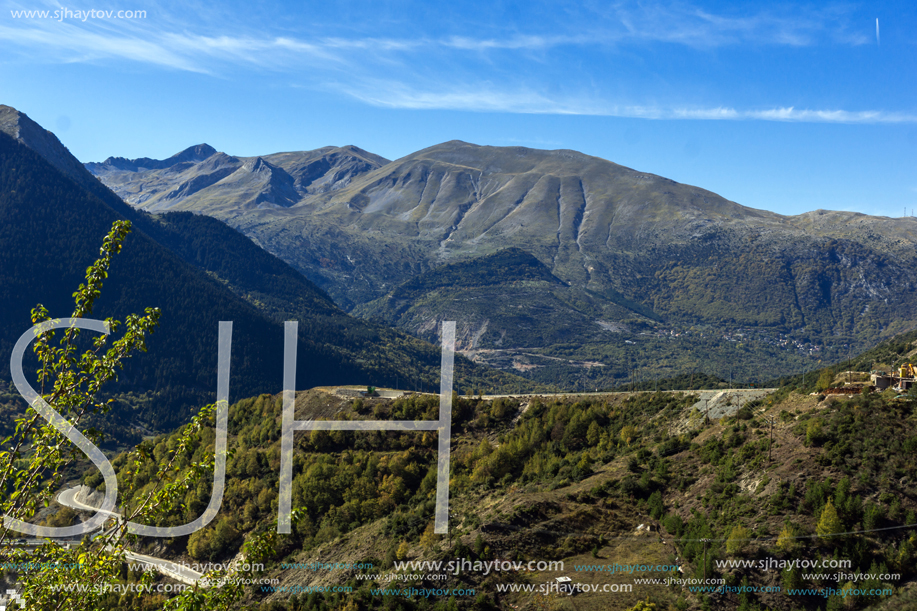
20,127
199,271
195,169
681,255
195,153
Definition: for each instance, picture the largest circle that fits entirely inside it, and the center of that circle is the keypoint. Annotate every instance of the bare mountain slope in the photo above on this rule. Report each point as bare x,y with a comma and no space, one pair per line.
202,180
683,254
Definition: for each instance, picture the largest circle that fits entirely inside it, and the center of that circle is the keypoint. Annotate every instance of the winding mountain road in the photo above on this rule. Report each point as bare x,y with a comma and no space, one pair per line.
69,498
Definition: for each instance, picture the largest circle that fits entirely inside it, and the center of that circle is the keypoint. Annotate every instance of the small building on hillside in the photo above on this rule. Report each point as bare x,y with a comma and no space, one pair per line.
882,381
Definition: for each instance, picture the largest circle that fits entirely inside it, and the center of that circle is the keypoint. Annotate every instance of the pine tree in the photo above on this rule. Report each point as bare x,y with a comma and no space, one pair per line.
791,580
738,539
429,538
479,546
814,433
644,605
593,434
786,542
829,523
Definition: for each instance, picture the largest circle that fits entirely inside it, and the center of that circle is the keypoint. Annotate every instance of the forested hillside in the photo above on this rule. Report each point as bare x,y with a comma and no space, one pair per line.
571,480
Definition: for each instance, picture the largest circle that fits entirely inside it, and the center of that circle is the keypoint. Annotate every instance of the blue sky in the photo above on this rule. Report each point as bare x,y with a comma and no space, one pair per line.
789,108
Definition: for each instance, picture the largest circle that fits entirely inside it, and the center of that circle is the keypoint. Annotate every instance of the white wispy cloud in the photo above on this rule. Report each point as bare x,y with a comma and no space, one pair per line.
277,53
831,116
478,97
427,73
481,97
373,44
618,24
516,42
690,25
71,44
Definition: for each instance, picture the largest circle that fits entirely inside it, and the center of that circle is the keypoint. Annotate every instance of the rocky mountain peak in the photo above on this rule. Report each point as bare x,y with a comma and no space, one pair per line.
257,165
198,152
18,125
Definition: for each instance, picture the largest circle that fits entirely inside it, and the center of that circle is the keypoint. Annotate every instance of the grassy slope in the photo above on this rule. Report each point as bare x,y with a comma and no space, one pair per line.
547,484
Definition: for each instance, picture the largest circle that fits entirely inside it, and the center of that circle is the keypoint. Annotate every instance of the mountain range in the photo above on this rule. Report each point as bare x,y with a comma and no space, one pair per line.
649,274
636,478
198,271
